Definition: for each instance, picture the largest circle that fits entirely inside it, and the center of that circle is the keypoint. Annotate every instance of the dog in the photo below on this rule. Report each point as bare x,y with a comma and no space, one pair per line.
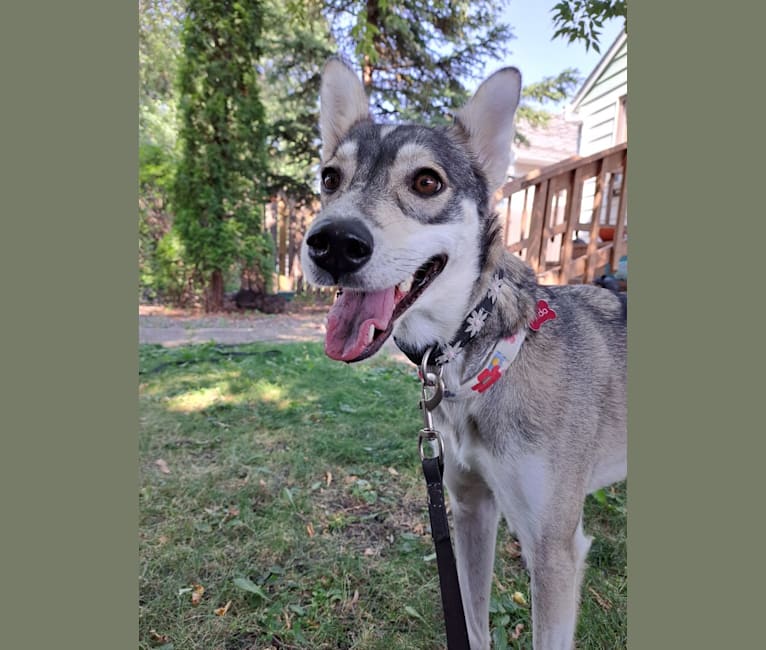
534,414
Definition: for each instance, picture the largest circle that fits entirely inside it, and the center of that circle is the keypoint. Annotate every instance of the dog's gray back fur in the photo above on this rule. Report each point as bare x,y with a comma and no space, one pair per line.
553,427
553,431
570,374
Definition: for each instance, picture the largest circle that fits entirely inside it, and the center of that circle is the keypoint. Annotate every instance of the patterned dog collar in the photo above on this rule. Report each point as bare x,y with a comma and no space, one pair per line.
504,352
474,323
497,363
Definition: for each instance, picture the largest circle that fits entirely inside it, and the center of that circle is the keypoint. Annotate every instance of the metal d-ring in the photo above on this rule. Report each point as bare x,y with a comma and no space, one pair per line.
430,436
433,380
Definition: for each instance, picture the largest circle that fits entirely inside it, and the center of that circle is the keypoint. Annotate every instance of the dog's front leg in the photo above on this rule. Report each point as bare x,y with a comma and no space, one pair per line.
556,571
475,516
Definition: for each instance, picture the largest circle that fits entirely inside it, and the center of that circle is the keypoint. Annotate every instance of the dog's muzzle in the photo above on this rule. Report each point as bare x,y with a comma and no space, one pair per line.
340,247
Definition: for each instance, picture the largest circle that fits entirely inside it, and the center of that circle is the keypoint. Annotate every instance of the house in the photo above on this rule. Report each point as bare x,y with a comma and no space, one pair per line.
556,141
544,146
601,107
601,104
565,211
595,120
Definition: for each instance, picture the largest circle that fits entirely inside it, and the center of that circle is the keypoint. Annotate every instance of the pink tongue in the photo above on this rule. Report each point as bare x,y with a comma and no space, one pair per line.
349,320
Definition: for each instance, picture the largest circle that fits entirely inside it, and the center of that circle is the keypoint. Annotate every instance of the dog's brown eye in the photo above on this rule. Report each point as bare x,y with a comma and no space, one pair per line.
427,182
330,179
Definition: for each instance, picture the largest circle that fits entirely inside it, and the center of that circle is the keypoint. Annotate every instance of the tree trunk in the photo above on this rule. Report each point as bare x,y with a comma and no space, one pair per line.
272,216
214,294
373,18
284,220
367,73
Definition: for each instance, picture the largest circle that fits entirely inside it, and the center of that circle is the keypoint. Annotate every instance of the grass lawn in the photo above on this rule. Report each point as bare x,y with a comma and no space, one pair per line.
282,506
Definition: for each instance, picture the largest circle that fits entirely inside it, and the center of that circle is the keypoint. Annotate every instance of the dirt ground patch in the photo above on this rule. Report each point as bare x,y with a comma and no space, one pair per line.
172,327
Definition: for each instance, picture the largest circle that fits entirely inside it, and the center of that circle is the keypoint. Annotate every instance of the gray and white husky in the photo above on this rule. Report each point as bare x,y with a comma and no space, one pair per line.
534,416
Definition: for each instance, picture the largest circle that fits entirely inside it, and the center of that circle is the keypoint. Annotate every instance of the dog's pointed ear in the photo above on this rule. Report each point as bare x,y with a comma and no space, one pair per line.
342,103
487,120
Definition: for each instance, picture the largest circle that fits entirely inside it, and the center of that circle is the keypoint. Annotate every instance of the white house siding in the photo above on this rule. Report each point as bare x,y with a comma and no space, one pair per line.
598,110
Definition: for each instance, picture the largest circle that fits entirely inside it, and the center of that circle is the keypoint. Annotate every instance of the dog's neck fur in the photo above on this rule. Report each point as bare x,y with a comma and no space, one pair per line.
515,306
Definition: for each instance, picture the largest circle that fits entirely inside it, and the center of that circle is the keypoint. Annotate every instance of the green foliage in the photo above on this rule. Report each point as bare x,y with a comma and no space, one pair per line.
162,274
552,89
536,96
505,614
156,168
158,54
158,57
414,56
258,260
296,42
172,278
581,20
218,193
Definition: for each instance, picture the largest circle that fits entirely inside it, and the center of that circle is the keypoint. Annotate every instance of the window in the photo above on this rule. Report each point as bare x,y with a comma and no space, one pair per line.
621,135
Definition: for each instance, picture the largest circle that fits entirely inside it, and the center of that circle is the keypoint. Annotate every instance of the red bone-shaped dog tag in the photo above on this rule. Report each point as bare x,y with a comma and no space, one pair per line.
544,313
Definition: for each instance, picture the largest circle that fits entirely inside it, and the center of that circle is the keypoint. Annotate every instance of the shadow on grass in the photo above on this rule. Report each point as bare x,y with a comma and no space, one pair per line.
289,394
296,474
298,477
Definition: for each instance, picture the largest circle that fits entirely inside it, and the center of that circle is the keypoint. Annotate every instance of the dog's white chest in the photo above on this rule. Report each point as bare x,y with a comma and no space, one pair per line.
464,448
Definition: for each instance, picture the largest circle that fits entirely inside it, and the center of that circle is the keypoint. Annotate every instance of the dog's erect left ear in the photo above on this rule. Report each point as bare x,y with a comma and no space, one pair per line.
487,120
342,103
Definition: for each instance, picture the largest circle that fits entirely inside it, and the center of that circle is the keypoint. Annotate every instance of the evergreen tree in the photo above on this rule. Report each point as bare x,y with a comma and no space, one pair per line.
297,42
415,55
219,181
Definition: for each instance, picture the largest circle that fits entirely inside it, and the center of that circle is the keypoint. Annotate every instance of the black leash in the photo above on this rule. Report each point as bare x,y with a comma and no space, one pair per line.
452,604
433,470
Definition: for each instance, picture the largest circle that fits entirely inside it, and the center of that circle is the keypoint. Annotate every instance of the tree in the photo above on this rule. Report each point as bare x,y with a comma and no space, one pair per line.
218,194
158,55
296,41
580,20
532,110
414,55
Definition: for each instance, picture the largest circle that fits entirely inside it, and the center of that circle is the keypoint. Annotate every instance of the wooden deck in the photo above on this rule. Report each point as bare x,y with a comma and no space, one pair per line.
554,217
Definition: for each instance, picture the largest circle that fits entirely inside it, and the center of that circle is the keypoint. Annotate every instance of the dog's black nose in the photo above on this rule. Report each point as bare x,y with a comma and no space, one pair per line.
341,247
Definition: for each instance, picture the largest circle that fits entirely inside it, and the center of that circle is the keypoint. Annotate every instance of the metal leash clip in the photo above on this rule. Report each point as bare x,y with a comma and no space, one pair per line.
431,380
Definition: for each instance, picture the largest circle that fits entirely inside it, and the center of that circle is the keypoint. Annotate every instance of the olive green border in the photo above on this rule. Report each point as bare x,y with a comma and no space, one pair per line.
69,227
695,221
69,336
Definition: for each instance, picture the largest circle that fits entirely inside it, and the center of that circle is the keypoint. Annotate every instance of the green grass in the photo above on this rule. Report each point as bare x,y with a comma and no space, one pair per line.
294,491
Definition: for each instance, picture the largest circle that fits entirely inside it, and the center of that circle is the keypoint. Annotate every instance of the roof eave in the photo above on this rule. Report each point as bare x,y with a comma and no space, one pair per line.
593,76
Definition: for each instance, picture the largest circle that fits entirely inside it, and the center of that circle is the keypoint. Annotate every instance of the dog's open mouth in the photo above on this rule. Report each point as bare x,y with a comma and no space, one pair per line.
359,322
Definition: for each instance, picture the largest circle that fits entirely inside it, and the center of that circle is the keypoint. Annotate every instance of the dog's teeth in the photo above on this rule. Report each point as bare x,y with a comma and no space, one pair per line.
405,286
371,334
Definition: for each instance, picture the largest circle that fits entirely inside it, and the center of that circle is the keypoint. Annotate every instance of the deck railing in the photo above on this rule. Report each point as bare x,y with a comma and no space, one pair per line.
558,218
